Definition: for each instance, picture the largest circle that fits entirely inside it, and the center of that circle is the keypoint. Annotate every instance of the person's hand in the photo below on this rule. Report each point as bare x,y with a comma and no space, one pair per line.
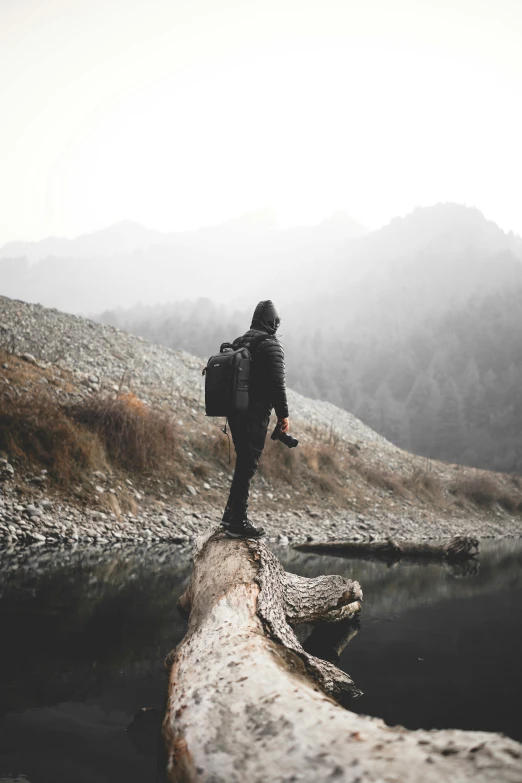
285,425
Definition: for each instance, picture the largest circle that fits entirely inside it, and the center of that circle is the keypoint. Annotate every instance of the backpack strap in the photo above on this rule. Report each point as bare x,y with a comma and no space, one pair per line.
238,343
255,341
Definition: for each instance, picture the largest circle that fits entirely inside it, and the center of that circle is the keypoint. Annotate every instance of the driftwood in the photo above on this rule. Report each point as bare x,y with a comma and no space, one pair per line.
457,549
247,704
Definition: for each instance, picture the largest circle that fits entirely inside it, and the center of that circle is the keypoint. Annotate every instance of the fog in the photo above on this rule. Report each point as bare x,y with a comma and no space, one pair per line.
180,115
164,166
413,327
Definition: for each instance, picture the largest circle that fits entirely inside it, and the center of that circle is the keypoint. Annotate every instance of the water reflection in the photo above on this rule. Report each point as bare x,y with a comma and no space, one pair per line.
85,633
328,640
84,636
438,645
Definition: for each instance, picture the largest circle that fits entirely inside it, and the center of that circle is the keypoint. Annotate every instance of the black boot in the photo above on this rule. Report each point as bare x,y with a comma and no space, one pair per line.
226,519
244,529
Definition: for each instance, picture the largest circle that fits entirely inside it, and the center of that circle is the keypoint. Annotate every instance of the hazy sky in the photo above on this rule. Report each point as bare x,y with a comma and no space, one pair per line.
179,114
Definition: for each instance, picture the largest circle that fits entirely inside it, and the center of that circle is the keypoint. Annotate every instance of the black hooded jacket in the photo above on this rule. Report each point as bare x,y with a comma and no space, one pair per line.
267,384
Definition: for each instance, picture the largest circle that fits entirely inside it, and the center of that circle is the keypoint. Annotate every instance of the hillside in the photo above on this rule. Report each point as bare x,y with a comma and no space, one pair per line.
421,319
71,471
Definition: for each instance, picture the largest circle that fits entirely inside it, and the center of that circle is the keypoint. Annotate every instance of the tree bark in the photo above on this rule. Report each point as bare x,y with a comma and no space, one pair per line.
457,549
247,704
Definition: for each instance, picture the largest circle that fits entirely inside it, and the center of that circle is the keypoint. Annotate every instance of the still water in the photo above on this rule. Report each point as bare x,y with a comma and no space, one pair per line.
83,636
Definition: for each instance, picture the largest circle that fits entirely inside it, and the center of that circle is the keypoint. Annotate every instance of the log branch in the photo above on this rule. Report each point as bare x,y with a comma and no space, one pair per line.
287,598
457,549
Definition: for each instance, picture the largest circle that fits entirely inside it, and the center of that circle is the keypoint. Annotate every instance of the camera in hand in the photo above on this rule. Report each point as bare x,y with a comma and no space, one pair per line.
284,437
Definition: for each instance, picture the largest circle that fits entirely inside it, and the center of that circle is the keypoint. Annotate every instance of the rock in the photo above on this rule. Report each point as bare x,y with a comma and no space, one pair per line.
191,489
28,357
37,537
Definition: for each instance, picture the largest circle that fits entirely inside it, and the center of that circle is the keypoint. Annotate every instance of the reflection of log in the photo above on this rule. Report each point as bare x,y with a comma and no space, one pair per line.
328,640
247,703
458,548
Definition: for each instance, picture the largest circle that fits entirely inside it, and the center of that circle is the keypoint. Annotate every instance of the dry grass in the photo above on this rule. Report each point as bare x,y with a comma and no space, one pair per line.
123,433
485,491
35,431
314,470
421,484
71,441
425,485
381,478
310,469
201,470
136,437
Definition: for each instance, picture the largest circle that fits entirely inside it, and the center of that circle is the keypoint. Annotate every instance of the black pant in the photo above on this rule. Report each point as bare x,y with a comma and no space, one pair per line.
249,435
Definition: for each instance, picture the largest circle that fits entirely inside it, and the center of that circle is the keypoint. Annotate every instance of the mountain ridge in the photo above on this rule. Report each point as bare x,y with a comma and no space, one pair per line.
300,263
125,236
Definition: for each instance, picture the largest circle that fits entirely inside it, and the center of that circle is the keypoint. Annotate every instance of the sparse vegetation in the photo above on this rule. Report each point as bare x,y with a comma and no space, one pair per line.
425,484
135,436
122,436
484,491
201,470
35,431
380,477
315,469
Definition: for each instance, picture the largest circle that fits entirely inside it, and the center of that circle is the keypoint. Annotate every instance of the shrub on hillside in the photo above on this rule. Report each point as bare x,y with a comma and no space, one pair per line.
380,477
312,468
485,491
35,430
424,485
134,435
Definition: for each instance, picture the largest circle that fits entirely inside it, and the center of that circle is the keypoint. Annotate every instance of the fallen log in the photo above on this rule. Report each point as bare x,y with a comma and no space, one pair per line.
457,549
247,704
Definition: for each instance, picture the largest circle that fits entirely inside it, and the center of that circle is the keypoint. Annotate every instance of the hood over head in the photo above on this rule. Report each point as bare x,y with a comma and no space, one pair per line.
266,317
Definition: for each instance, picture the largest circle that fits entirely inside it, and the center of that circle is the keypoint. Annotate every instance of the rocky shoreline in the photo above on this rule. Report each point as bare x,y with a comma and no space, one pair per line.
45,521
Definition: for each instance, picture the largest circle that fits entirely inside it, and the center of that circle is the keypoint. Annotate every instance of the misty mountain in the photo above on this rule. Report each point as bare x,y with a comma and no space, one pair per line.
414,328
419,334
128,263
124,237
432,260
448,389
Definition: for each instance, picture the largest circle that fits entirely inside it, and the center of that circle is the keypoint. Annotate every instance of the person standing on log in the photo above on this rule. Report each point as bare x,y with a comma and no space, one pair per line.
267,391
